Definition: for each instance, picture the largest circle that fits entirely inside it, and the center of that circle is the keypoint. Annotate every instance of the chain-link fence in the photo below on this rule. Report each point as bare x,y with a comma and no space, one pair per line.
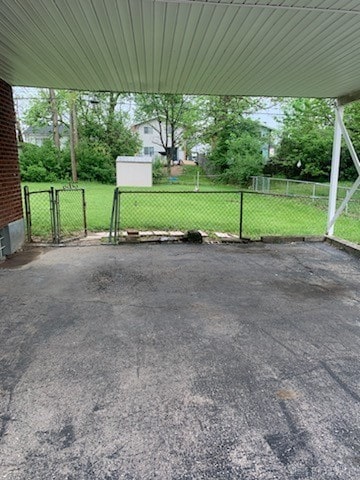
194,180
287,186
245,214
39,215
210,211
70,213
266,214
55,215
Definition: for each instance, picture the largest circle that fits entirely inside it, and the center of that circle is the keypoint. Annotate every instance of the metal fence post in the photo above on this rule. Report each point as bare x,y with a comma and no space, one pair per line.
241,214
117,218
57,217
27,212
84,210
53,214
114,215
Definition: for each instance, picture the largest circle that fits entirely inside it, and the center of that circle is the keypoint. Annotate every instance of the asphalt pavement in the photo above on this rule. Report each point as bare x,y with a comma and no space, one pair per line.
180,362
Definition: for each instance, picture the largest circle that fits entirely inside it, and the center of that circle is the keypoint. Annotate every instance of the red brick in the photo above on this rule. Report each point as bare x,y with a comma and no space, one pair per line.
10,191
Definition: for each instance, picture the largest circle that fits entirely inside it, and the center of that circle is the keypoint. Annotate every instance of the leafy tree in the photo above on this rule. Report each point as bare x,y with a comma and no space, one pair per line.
95,162
40,164
41,109
175,116
243,158
96,127
235,139
101,119
220,113
306,143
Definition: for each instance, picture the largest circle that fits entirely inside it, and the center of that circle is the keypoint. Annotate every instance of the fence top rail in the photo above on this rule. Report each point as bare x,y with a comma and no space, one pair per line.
307,182
178,191
38,191
70,190
247,192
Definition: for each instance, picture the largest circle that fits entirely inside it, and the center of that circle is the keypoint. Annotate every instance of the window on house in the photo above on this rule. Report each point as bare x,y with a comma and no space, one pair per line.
147,130
149,151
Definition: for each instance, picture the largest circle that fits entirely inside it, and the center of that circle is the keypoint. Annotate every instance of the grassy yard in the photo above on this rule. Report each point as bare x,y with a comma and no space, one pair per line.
214,208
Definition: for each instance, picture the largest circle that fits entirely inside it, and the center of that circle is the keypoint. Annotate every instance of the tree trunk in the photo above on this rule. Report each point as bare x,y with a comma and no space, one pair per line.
113,98
169,160
73,140
75,123
173,142
18,125
54,118
19,132
110,122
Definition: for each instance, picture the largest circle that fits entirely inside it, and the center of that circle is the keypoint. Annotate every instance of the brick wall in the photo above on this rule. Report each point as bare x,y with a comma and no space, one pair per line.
10,191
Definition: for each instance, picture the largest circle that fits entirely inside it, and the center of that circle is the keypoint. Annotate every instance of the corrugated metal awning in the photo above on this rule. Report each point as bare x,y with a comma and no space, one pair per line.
238,47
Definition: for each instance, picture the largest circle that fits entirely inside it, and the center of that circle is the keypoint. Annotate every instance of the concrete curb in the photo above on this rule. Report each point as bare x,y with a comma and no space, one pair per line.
292,239
341,244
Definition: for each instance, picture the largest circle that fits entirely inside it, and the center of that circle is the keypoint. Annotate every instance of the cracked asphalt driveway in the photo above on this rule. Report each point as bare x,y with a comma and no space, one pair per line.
181,362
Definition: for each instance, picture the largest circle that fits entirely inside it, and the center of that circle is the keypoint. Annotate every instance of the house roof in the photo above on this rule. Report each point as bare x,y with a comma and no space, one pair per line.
45,131
296,48
145,122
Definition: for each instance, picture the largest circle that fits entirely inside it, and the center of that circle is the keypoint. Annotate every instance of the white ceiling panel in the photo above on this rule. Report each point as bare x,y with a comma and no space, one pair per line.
238,47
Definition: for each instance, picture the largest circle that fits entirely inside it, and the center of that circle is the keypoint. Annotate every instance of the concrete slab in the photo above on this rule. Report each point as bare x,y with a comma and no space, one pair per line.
181,362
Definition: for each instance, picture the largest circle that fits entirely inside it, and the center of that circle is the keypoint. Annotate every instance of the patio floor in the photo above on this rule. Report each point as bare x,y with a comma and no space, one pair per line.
181,362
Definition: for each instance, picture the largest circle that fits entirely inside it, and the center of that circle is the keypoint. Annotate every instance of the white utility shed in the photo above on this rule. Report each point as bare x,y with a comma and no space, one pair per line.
134,171
297,48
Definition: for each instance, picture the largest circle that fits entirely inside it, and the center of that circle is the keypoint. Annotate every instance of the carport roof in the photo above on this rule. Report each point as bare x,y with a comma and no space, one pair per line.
294,48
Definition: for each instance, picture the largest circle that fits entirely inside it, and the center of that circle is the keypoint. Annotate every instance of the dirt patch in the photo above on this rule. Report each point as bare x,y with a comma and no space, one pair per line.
19,259
287,394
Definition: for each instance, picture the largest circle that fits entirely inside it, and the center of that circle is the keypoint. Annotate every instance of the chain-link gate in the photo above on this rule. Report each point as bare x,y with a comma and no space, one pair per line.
55,215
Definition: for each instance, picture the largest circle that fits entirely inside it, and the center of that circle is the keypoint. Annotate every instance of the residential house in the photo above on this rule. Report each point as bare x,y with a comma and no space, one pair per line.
149,134
37,135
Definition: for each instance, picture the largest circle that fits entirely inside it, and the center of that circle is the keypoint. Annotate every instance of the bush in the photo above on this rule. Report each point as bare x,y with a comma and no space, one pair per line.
304,156
40,164
36,173
94,162
158,173
47,164
237,154
238,158
242,168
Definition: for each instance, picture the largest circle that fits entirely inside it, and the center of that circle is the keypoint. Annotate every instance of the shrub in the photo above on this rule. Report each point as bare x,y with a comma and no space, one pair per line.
158,173
47,164
35,173
242,168
40,163
237,154
94,162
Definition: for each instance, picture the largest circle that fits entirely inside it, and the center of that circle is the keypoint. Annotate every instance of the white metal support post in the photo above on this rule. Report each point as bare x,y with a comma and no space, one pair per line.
340,130
335,167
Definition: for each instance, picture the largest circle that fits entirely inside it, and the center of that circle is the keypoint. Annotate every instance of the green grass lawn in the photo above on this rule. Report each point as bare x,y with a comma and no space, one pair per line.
216,210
